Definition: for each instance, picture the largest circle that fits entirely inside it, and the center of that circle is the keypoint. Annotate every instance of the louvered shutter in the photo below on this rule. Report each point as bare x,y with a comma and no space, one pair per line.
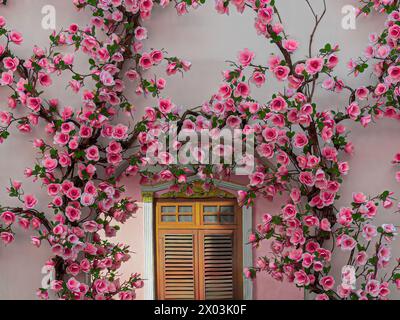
178,267
218,265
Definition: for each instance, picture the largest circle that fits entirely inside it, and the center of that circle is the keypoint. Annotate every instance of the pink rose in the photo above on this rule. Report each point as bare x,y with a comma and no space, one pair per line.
347,243
372,287
281,72
6,237
72,214
300,140
8,217
257,179
278,104
327,282
30,201
242,90
92,153
301,279
325,225
245,57
16,37
145,61
314,65
290,45
36,241
289,211
73,285
359,198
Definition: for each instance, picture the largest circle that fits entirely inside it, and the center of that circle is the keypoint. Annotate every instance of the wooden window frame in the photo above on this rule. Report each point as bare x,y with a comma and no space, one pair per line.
199,229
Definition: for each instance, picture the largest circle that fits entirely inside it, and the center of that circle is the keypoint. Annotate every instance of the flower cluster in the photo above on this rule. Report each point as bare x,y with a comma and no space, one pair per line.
299,147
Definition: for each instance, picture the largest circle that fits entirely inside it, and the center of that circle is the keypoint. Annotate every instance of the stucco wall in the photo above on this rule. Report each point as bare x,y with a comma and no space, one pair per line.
207,39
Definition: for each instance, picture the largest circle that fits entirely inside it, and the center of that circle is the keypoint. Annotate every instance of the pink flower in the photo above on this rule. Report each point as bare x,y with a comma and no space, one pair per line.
233,122
394,73
289,211
92,153
359,198
16,37
145,61
384,253
347,243
307,178
257,179
242,90
120,132
300,140
73,285
369,232
74,193
327,282
100,286
266,150
72,214
7,78
2,21
245,57
6,237
106,78
353,110
325,225
361,258
8,217
258,78
397,176
372,287
278,104
281,72
30,201
314,65
36,241
321,297
140,33
50,164
165,105
301,279
290,45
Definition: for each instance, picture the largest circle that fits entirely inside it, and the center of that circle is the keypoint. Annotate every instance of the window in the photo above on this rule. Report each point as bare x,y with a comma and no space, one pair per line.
199,250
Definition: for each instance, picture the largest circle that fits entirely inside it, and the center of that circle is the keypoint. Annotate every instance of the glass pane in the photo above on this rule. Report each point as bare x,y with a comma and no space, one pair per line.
185,209
185,219
168,209
227,209
211,209
168,219
225,219
211,219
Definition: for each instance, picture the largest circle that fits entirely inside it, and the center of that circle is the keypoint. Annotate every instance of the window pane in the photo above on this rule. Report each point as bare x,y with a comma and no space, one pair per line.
168,219
225,219
168,209
211,209
211,219
185,209
227,209
185,219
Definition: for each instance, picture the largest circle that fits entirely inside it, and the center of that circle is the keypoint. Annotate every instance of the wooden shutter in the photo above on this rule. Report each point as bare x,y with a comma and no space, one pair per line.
178,266
199,250
218,265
